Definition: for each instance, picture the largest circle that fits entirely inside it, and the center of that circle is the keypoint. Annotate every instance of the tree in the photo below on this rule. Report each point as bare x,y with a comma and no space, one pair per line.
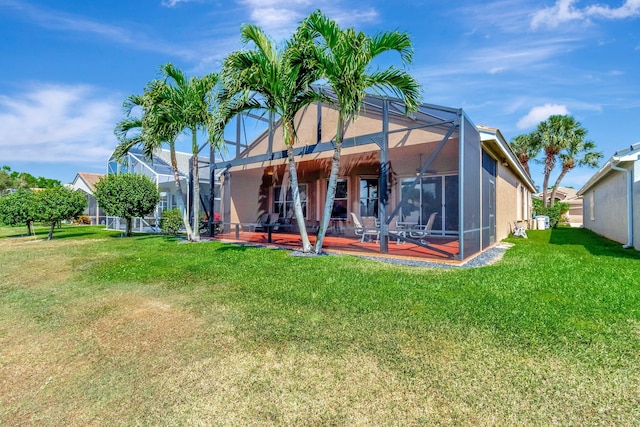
554,135
150,131
19,208
14,180
189,108
127,196
269,78
526,147
576,153
56,204
344,58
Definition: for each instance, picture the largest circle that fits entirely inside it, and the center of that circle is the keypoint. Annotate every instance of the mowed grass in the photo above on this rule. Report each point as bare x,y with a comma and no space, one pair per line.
96,329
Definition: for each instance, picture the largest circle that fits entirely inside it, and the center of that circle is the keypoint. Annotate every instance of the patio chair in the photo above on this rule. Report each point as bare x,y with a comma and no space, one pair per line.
364,231
519,230
418,232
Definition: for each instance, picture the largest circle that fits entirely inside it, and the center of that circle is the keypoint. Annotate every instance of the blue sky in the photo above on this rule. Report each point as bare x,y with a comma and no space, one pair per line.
66,66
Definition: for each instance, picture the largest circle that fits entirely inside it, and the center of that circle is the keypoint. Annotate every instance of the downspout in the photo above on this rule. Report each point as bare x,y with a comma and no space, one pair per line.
629,202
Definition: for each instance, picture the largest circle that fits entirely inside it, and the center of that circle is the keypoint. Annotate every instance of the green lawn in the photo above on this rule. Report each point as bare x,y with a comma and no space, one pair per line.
101,330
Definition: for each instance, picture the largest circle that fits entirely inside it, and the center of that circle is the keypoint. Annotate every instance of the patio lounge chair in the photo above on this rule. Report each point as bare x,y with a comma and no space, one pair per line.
364,231
419,231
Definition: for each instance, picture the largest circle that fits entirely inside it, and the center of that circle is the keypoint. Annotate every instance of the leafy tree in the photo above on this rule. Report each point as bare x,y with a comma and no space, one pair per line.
526,147
275,80
344,58
56,204
127,196
19,208
14,180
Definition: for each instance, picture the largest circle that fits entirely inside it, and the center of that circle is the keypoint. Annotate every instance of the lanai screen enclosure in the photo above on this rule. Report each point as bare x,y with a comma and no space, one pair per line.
394,169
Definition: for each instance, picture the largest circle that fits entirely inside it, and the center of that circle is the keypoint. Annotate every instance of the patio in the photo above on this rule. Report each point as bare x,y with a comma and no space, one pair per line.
439,248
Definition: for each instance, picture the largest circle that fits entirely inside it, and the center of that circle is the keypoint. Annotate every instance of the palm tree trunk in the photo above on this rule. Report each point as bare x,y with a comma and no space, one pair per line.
176,178
549,164
331,188
297,204
196,188
555,186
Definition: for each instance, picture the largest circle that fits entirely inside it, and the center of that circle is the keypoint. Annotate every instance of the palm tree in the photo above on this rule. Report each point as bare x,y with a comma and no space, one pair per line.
189,107
526,147
151,131
344,58
555,134
267,78
577,153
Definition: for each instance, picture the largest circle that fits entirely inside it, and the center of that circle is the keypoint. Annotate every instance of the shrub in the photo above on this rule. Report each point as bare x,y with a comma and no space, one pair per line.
83,219
171,221
554,212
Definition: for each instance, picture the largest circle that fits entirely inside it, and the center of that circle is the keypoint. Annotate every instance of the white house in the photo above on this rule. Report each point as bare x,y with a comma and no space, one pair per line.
86,182
612,198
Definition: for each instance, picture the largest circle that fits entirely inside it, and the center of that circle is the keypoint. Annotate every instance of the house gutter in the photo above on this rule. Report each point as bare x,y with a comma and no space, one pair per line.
614,166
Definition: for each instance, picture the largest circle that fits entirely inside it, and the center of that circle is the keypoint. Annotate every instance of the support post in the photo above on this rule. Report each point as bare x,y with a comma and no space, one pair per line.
383,182
226,201
212,191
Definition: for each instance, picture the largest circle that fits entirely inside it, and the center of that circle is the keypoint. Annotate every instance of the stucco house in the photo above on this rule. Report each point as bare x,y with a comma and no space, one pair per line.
85,182
610,195
396,172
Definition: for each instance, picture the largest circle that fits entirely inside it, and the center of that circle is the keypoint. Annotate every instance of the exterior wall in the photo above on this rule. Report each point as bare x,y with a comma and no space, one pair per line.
508,203
636,204
607,201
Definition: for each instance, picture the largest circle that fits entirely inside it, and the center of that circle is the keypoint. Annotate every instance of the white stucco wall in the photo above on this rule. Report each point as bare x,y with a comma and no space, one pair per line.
609,207
636,204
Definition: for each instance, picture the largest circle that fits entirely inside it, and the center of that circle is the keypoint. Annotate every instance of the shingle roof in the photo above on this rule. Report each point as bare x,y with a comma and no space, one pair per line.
90,179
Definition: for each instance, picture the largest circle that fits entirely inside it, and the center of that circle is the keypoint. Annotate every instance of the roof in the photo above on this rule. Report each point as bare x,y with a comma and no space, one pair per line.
619,158
493,134
90,179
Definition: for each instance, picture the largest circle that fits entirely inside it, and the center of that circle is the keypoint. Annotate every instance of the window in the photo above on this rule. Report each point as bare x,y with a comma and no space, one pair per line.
283,203
341,200
164,202
368,197
592,205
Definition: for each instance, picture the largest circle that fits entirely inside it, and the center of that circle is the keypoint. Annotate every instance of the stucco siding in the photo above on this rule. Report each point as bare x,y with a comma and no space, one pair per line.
609,208
636,204
506,202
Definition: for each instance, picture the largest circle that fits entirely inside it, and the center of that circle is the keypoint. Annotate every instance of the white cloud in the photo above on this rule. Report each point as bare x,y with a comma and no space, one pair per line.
56,123
565,11
538,114
279,18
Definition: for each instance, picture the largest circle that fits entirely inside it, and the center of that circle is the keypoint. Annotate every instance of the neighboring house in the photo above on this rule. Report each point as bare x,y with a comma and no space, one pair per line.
160,171
85,182
610,196
435,161
571,197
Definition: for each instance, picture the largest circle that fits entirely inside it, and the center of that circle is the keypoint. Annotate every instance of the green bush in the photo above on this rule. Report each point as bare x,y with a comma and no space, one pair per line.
553,212
171,221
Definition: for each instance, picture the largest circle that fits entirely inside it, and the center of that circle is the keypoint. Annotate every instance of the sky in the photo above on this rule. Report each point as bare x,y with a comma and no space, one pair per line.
67,66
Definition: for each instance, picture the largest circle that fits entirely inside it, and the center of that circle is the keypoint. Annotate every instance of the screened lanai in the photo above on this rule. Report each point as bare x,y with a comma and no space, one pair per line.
420,182
159,169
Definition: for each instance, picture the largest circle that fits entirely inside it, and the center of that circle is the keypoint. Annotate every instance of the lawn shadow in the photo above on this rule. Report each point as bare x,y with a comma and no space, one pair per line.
592,242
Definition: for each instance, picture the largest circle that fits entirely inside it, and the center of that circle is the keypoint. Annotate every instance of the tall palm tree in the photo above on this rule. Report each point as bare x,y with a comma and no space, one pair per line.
189,107
266,77
526,147
150,132
577,153
345,58
555,134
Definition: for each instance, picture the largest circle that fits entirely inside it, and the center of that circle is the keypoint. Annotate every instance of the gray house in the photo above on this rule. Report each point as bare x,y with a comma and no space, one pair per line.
612,198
